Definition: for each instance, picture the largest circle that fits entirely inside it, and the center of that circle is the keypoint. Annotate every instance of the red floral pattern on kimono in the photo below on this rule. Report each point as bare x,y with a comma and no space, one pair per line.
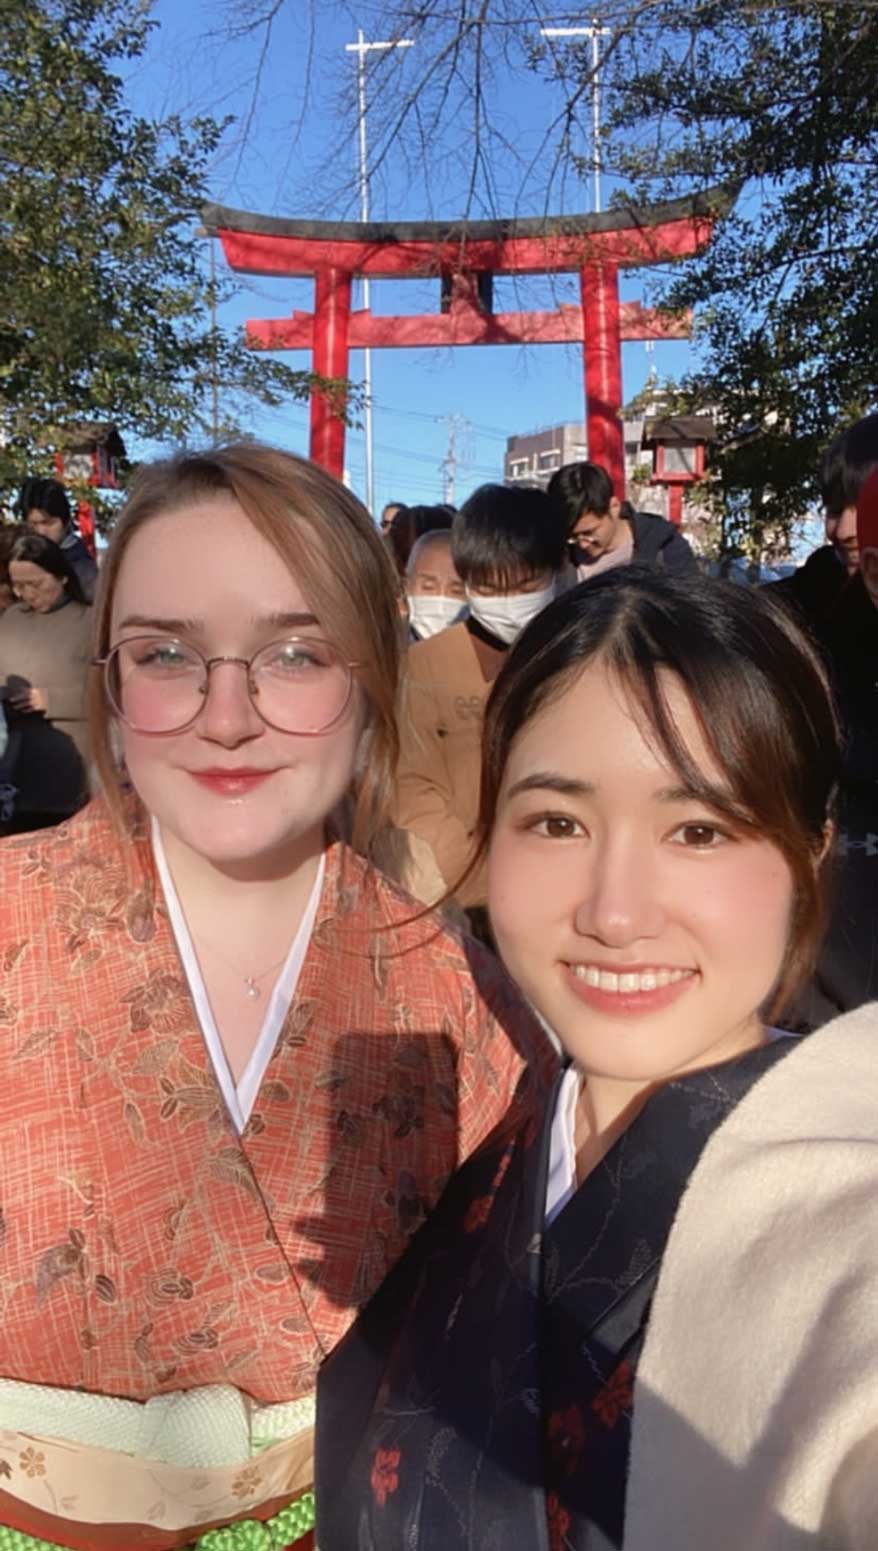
499,1359
145,1247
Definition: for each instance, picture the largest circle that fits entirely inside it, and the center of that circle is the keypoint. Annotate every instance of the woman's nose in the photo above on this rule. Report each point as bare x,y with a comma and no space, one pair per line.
228,715
619,901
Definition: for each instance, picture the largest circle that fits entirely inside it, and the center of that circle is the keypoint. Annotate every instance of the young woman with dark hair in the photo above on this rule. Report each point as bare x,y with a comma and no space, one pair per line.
45,641
237,1064
659,764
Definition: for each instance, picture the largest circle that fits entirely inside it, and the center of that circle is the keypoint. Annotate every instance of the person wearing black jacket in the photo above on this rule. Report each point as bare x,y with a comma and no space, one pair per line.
604,532
817,590
44,507
831,594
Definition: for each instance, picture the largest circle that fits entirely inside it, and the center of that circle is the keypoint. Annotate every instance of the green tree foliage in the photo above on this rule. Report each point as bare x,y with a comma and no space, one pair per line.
107,310
780,100
776,98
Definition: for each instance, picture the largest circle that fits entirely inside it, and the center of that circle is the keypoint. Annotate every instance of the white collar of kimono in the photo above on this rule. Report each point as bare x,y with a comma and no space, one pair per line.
561,1178
239,1097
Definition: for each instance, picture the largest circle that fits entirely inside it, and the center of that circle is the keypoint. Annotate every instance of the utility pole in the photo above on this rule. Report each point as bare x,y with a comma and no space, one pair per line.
361,48
214,375
449,463
457,425
595,31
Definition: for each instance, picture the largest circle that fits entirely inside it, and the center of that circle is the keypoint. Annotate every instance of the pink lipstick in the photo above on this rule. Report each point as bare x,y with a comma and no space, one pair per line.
628,989
231,783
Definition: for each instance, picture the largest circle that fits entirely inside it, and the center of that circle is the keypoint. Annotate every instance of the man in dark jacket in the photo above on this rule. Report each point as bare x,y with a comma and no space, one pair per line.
44,506
603,532
848,969
843,618
816,589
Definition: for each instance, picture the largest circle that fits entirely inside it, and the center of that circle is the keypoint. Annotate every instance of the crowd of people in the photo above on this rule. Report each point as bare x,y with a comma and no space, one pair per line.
47,581
439,1092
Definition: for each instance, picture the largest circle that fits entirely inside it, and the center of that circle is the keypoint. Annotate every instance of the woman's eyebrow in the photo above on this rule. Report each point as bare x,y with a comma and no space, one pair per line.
282,621
552,781
684,793
276,621
171,626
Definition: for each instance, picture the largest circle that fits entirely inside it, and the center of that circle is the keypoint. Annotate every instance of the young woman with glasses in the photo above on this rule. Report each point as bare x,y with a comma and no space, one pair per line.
237,1064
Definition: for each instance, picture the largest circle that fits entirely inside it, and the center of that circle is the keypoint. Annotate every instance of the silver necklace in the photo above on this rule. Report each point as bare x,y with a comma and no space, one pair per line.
252,988
251,982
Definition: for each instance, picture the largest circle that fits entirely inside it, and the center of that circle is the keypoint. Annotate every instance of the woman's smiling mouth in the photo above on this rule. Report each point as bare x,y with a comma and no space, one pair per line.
641,989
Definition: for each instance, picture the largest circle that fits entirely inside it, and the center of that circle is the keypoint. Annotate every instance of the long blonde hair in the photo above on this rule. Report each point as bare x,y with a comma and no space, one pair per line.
329,542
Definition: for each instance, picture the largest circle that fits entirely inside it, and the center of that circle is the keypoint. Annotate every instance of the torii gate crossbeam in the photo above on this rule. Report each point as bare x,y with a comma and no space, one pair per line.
464,257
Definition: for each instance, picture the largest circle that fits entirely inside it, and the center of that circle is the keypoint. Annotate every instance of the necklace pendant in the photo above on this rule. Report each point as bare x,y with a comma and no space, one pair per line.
251,989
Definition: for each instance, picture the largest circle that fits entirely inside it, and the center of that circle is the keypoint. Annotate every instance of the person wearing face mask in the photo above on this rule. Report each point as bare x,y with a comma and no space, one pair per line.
507,546
435,594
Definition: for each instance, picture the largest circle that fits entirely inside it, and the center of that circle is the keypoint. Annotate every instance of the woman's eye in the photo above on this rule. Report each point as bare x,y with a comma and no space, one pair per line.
163,657
699,837
556,826
295,658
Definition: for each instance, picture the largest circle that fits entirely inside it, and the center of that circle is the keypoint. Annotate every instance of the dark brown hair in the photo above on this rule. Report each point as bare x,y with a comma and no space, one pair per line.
9,532
409,524
50,557
756,685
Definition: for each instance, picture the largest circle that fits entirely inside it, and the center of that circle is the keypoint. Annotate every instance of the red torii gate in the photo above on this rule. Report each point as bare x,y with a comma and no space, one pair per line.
465,257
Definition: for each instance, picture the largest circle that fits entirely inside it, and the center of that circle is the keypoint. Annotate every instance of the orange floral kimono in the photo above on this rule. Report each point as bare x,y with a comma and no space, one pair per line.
145,1249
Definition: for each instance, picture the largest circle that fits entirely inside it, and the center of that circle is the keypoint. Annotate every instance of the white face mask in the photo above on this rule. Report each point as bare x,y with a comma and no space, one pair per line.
430,614
507,614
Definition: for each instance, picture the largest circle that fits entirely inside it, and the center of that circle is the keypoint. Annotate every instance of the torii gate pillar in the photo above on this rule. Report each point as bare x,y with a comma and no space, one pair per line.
602,362
332,316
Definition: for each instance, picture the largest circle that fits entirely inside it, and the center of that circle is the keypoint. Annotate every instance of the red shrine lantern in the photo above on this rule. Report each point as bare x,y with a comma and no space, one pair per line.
90,456
679,446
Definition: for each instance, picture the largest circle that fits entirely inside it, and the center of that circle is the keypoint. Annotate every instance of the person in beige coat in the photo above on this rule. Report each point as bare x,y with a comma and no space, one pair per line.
756,1403
45,645
508,548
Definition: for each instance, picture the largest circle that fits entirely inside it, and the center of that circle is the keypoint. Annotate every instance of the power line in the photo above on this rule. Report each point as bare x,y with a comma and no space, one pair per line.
423,414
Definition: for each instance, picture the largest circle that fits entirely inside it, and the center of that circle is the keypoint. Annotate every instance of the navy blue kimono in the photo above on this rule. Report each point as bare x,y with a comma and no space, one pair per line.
483,1399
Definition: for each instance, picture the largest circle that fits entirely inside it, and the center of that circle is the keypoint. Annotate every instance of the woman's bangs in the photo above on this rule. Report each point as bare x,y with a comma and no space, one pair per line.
645,684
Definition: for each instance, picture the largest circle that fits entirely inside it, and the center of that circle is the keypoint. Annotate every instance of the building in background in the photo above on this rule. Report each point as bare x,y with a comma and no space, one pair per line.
534,457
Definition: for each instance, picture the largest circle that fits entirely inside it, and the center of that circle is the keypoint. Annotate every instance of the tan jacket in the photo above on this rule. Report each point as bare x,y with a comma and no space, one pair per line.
48,652
756,1402
441,727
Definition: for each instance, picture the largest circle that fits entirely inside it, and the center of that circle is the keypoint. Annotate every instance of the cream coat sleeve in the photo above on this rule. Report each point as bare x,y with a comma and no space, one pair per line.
756,1402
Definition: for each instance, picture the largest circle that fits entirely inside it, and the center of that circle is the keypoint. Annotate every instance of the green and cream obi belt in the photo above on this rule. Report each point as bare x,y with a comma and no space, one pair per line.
206,1468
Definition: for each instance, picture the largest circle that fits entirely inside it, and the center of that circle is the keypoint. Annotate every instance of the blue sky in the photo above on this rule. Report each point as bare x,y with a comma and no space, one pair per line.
298,158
